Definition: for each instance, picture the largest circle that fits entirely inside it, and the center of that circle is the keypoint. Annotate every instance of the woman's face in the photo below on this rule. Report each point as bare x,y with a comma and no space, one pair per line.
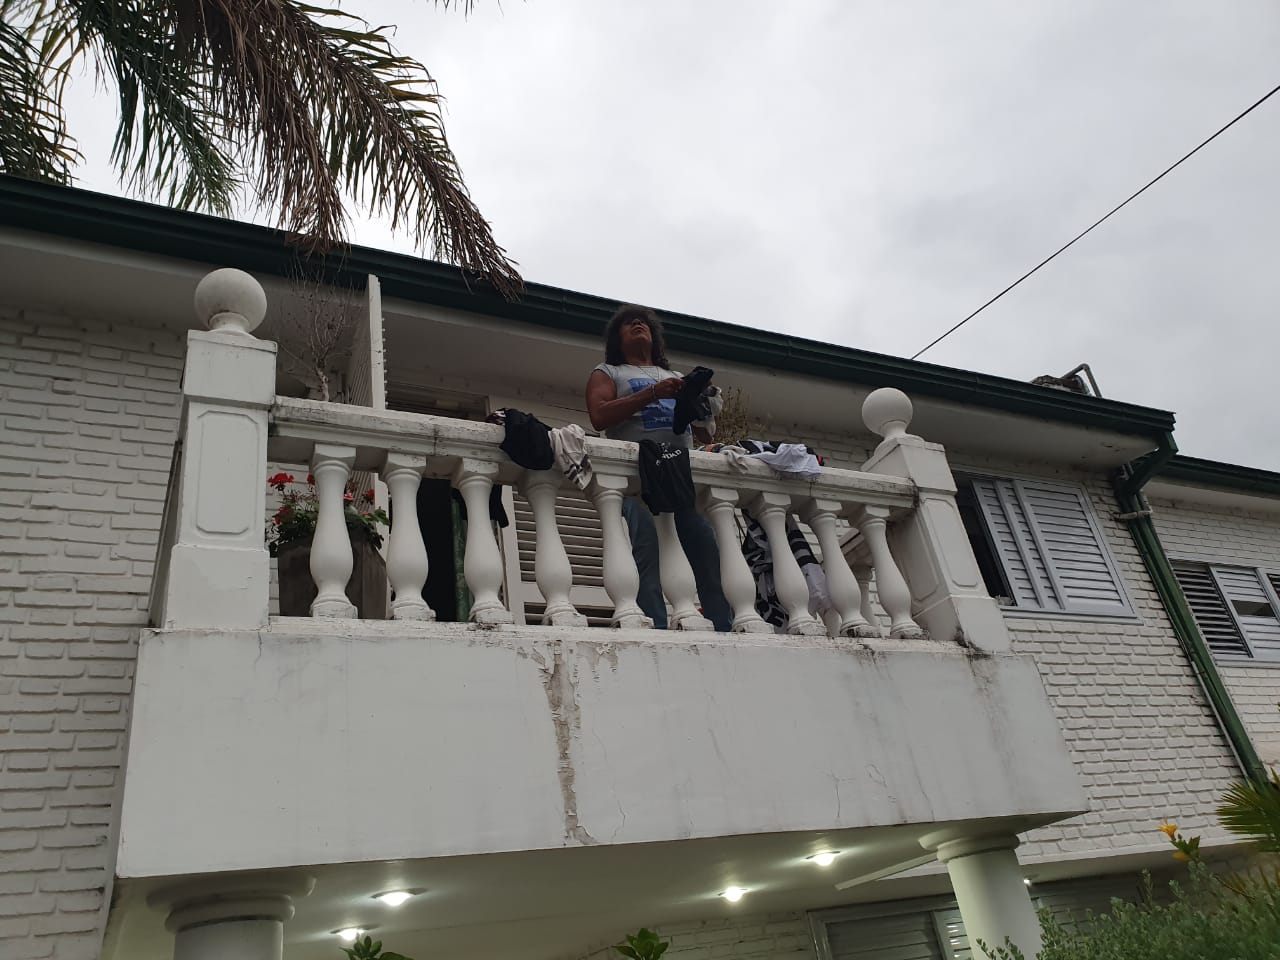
636,336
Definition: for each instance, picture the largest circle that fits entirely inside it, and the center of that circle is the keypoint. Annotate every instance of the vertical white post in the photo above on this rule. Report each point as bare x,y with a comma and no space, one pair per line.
482,565
407,565
677,577
551,568
841,583
232,919
862,573
770,511
735,576
621,579
892,588
331,557
218,570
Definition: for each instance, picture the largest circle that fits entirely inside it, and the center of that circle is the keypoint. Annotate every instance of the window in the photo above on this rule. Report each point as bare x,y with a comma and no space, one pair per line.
1235,607
1039,547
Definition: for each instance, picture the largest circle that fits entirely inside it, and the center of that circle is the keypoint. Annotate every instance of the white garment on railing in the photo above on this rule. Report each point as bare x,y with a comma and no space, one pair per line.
792,459
570,447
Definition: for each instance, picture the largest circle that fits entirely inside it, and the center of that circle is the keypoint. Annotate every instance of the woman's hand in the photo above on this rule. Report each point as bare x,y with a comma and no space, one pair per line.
667,389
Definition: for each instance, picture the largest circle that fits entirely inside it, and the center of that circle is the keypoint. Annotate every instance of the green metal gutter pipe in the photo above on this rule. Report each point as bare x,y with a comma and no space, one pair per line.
1135,512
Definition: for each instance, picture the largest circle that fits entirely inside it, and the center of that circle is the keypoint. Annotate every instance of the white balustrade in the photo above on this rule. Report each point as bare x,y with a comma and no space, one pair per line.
331,557
677,577
407,564
552,570
735,575
842,585
481,562
895,596
621,578
770,511
862,574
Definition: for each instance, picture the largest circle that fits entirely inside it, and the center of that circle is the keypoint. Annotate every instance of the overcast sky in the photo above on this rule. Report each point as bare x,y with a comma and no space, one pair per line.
868,173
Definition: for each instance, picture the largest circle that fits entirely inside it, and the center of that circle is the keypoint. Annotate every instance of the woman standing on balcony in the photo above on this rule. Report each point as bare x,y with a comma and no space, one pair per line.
631,396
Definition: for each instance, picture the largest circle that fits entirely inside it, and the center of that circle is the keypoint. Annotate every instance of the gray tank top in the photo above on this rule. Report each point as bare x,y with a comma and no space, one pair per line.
654,421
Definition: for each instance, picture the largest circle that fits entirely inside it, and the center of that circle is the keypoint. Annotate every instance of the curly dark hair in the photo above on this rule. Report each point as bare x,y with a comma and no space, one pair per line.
613,335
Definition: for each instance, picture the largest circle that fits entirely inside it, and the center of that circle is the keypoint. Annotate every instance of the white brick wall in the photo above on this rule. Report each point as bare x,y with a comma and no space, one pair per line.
89,417
1222,535
778,936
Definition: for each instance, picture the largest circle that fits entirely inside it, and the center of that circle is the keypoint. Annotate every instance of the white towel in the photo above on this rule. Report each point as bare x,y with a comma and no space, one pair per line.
570,446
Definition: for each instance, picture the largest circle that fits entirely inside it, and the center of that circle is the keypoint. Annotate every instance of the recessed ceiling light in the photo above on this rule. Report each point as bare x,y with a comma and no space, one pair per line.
1027,881
825,858
349,934
733,894
393,898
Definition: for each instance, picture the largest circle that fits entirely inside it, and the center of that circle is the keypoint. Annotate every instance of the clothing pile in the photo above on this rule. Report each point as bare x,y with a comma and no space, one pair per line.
759,557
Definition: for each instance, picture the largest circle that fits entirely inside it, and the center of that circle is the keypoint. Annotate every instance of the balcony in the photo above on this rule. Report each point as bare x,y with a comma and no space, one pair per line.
554,779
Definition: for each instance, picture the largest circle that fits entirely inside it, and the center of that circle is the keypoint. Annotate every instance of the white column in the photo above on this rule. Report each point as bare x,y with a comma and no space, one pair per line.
735,575
841,583
213,568
331,558
862,574
621,578
407,566
892,589
235,918
677,577
770,511
482,565
990,891
551,568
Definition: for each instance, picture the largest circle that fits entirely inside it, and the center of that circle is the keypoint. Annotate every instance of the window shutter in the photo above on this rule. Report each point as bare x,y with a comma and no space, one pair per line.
1011,537
584,543
905,936
1210,610
1252,605
1085,579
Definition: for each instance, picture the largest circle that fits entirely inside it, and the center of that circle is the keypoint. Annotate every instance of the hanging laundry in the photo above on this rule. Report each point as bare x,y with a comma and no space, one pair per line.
570,446
789,459
756,551
713,402
690,405
666,482
527,440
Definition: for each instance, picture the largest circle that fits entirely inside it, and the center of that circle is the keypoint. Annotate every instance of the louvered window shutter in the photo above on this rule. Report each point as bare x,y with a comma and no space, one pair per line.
1085,580
1249,598
1016,548
904,936
1210,609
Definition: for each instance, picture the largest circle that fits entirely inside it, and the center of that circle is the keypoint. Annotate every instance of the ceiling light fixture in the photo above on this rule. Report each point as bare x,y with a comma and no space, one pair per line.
825,858
393,898
733,894
349,934
1027,881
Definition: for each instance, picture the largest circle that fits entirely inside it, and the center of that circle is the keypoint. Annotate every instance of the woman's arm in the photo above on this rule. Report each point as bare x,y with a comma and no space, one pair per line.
606,410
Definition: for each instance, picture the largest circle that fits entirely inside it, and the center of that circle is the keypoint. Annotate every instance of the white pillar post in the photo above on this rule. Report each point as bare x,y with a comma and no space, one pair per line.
331,557
407,565
990,891
892,589
218,572
482,564
234,918
677,577
862,574
551,568
770,510
735,575
621,578
841,583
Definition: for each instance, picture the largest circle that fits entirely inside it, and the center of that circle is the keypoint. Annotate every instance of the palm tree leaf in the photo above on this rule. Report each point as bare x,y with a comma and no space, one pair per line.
33,136
1252,809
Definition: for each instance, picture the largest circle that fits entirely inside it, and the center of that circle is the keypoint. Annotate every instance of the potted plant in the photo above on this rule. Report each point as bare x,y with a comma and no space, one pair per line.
289,536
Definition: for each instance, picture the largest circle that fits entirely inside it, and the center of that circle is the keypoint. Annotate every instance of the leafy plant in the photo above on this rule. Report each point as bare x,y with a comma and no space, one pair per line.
370,949
1252,809
645,945
295,518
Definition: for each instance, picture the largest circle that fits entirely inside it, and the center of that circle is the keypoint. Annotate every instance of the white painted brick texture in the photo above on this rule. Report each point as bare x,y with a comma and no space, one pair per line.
1224,535
89,415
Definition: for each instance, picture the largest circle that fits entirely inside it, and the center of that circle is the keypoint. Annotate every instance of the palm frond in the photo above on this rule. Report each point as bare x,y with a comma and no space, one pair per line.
33,135
1252,809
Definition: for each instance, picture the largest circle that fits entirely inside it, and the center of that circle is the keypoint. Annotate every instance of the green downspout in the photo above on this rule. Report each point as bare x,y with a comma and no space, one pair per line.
1134,510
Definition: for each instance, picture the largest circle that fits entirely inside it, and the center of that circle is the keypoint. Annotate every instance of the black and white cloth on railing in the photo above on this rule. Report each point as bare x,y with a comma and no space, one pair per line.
666,482
755,549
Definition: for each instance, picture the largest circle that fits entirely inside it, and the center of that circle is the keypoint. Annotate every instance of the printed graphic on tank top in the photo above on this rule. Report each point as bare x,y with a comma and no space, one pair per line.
658,415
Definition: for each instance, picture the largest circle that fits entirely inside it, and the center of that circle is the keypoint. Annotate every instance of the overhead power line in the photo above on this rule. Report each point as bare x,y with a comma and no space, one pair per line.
1103,219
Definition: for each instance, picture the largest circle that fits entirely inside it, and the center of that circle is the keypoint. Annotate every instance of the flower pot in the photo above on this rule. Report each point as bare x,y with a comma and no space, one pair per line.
367,588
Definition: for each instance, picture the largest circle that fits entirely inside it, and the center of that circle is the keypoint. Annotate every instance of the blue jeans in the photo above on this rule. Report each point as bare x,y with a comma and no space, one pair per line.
699,542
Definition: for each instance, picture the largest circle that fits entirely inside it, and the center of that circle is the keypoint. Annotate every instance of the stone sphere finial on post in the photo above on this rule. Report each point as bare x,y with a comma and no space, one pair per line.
230,300
887,413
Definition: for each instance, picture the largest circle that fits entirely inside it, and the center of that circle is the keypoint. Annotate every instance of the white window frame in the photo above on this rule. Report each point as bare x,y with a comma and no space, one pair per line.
1255,657
1076,610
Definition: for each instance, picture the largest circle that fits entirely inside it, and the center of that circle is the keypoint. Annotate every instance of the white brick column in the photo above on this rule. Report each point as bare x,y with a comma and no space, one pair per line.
218,573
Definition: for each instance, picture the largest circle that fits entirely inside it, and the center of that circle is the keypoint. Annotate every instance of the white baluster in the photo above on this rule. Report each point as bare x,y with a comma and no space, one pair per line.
770,511
735,575
841,583
621,579
551,566
862,573
895,595
406,553
482,564
677,577
331,559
